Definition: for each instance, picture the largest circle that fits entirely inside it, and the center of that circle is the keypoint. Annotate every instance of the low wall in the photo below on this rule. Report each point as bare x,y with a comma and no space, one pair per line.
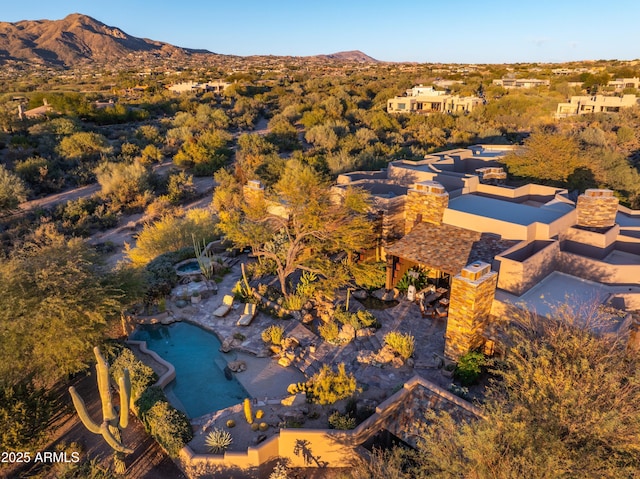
599,271
169,375
321,448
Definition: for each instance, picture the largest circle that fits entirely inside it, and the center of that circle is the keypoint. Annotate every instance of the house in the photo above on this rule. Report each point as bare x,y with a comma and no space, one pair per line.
585,104
34,113
620,84
494,247
510,83
216,87
421,99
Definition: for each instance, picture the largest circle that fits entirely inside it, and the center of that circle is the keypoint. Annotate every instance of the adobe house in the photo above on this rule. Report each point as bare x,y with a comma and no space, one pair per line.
496,247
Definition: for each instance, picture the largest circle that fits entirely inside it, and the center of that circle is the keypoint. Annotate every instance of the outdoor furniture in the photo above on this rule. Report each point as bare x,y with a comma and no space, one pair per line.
442,291
225,307
441,312
444,302
250,311
429,313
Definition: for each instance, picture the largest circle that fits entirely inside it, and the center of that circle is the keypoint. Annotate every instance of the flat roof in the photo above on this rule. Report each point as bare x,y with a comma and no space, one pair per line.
559,289
516,213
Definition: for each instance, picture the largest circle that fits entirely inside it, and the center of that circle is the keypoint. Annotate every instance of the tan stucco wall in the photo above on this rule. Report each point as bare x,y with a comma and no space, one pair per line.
517,277
599,271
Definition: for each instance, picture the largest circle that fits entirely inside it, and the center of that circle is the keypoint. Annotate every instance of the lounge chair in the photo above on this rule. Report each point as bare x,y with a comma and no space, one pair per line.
227,303
441,312
249,313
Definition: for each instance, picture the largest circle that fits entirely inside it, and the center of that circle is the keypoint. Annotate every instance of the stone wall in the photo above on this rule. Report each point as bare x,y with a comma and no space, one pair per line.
472,293
425,202
597,209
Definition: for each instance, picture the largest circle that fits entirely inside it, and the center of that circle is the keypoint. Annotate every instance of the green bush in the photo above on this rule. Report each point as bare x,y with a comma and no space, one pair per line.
160,273
329,386
416,276
293,303
142,376
329,331
341,421
359,320
469,368
402,343
24,414
170,427
273,334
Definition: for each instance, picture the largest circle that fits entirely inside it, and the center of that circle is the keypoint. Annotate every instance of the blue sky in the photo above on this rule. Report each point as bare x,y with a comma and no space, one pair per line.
455,31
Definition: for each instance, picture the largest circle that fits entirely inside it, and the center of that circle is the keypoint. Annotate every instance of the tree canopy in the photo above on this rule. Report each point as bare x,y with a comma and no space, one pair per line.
296,225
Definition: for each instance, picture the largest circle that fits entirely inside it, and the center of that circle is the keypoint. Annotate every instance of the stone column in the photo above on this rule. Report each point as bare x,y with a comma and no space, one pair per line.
253,191
597,208
472,293
425,202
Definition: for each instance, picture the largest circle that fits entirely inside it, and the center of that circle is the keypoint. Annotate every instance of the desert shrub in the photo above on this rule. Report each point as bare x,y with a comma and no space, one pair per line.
231,423
341,421
329,331
170,427
218,440
402,343
359,320
293,302
263,426
171,233
329,386
259,414
24,413
273,334
415,276
307,286
280,472
142,376
180,187
125,184
160,274
469,368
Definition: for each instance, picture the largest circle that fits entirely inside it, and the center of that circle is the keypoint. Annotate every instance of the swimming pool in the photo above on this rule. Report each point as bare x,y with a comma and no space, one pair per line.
200,386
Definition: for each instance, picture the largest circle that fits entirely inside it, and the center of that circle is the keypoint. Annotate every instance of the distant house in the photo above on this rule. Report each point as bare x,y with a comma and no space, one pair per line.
191,86
37,112
421,99
620,84
520,82
585,104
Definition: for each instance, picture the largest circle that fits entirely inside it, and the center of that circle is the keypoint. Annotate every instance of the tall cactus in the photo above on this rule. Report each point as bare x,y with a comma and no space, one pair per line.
112,423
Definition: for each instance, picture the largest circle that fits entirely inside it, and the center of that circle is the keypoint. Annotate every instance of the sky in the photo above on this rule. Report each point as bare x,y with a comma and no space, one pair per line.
425,31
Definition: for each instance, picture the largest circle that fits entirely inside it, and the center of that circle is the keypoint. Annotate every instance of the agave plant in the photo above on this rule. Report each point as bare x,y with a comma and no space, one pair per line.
218,440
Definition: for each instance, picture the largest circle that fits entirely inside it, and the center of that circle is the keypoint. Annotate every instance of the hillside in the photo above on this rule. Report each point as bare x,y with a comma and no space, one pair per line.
74,40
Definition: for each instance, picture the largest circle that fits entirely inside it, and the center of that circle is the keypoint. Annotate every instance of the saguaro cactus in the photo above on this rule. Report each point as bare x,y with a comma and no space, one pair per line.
112,423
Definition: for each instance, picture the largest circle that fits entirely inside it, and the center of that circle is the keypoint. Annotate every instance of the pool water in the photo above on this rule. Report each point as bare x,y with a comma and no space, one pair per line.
190,267
200,385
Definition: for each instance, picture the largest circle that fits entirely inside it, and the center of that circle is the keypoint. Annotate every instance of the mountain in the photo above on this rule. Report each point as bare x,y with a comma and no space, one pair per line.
350,56
74,40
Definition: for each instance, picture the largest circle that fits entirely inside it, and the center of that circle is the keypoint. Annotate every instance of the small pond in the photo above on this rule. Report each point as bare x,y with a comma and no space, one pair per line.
200,386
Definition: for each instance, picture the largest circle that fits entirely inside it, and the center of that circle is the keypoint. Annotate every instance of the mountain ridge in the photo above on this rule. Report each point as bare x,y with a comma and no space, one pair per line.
80,39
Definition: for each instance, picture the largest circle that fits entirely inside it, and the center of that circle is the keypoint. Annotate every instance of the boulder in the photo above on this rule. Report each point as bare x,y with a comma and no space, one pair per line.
397,362
347,333
385,355
297,400
290,343
365,332
237,366
284,361
307,318
360,294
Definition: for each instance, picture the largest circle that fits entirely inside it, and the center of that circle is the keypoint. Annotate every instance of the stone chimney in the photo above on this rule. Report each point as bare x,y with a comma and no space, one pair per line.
472,293
597,209
253,191
425,202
